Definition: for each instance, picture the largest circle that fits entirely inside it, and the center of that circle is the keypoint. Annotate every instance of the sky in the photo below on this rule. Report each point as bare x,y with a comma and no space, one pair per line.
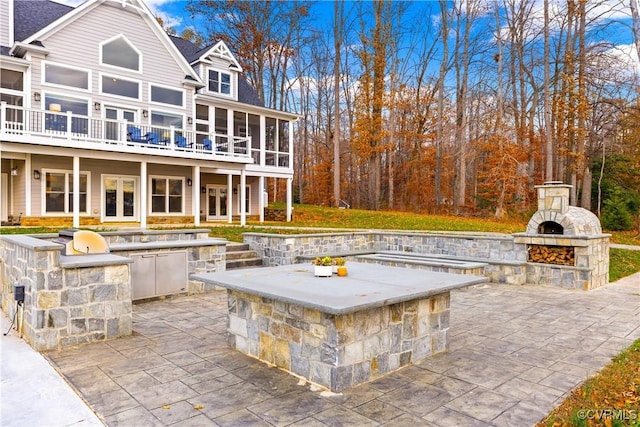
173,14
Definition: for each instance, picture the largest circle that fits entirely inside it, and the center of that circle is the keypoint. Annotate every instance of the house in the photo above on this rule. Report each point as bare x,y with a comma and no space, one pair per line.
105,120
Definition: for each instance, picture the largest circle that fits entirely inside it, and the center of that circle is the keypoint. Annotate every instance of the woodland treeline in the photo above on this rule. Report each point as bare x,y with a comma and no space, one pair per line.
446,106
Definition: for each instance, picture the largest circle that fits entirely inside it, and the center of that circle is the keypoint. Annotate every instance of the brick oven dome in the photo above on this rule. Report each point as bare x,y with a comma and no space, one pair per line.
575,221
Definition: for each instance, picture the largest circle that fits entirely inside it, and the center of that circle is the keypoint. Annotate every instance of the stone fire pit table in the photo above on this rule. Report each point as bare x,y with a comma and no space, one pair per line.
339,331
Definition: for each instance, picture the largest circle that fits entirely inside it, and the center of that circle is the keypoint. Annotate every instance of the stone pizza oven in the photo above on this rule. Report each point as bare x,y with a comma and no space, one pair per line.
565,245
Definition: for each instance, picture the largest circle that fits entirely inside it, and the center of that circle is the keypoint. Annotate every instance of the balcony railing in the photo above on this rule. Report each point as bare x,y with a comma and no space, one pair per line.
114,133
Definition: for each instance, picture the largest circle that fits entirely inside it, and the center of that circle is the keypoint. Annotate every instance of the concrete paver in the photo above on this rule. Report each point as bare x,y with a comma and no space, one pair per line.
516,351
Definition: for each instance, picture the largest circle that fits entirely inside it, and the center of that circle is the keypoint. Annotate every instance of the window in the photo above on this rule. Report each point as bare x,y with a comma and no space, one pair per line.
270,134
10,79
121,87
283,136
120,53
219,82
59,192
167,96
65,76
159,118
57,119
11,92
167,195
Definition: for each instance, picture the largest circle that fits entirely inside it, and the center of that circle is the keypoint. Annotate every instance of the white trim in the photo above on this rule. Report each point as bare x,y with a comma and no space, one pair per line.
102,75
67,191
118,67
150,195
44,82
11,25
152,102
221,50
232,83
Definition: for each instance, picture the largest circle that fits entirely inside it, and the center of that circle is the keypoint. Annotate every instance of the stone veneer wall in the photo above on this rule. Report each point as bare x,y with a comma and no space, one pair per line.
506,255
285,249
338,351
592,261
64,306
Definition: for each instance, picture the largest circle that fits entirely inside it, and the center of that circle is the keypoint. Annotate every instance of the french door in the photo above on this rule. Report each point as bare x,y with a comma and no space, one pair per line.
120,198
114,116
216,202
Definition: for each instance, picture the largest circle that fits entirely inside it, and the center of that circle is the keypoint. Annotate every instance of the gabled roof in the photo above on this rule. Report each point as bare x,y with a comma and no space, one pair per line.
137,5
194,54
31,16
220,50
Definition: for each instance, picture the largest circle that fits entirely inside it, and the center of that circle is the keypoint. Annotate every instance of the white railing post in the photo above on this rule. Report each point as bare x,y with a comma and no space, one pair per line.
122,130
69,122
172,137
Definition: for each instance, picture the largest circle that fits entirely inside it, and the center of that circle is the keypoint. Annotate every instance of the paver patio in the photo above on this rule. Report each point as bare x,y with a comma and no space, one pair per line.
515,352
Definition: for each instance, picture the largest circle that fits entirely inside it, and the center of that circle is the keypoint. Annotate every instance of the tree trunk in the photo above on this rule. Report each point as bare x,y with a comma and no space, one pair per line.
338,8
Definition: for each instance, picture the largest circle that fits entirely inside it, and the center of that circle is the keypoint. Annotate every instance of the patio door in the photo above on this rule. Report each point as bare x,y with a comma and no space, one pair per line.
216,202
120,198
113,115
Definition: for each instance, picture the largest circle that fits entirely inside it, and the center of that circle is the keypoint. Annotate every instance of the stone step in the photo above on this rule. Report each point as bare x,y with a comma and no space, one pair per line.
244,263
237,247
235,255
239,255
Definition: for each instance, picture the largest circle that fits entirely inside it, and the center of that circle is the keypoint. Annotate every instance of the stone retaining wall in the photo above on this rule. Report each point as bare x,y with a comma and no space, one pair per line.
506,255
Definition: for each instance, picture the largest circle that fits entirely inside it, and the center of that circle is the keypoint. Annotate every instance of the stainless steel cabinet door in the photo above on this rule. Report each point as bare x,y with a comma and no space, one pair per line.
171,273
143,276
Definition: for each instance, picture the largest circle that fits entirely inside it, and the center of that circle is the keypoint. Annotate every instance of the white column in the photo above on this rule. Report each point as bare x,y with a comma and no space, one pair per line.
291,144
263,139
76,192
261,195
195,194
289,199
229,198
243,198
28,173
230,131
143,194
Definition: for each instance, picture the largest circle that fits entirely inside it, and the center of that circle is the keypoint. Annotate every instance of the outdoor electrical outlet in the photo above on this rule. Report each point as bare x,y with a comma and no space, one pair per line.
18,293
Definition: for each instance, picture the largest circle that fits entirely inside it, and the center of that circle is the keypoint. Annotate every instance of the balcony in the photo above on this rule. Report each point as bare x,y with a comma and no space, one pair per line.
40,127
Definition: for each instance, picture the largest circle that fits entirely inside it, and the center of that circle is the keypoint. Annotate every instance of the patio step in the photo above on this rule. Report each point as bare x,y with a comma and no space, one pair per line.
241,256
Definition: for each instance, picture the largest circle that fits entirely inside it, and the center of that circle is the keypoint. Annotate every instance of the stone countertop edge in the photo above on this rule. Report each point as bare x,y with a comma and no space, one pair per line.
209,278
92,260
164,244
32,242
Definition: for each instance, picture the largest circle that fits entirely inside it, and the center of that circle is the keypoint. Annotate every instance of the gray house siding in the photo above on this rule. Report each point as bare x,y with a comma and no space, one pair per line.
78,44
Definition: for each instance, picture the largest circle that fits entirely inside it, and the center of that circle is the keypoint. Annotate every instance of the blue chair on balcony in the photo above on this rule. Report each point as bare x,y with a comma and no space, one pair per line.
208,144
135,134
181,142
152,138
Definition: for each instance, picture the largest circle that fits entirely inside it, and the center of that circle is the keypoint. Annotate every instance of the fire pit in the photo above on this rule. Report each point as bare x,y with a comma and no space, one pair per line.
565,244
